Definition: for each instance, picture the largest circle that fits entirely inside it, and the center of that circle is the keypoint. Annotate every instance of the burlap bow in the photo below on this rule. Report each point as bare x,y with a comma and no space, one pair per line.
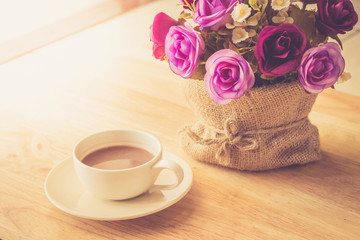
231,136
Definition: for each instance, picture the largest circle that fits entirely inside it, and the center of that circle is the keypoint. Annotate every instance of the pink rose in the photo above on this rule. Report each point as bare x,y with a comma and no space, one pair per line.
279,49
228,76
321,67
158,31
214,13
183,48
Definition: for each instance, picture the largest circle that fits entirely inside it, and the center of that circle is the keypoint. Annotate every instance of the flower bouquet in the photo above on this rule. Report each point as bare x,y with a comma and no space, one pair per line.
253,70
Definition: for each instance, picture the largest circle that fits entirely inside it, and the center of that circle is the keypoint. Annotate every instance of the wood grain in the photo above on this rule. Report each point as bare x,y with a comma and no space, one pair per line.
48,33
102,79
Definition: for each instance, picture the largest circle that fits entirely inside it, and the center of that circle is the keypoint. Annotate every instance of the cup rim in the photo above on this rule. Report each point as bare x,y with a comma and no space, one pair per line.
156,156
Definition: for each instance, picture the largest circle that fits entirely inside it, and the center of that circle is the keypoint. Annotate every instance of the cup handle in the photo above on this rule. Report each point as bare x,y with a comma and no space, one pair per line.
171,165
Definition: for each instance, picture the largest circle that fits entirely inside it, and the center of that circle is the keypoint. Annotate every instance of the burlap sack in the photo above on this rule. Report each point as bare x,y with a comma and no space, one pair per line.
265,129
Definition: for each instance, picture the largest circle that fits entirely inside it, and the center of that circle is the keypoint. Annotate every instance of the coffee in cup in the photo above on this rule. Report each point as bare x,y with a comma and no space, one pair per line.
122,164
118,157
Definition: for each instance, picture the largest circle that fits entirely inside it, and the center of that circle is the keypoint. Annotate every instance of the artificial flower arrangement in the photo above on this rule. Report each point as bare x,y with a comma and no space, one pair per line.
253,70
237,45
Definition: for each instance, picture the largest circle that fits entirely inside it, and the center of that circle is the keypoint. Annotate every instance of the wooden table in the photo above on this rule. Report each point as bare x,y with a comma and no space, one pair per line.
105,78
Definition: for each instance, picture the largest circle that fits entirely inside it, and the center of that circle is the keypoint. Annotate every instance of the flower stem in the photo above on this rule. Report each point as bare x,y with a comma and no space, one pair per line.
187,4
244,50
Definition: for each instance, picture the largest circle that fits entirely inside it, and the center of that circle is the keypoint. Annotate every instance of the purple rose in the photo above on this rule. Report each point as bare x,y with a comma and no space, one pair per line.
279,48
158,31
228,76
213,13
321,67
183,48
335,16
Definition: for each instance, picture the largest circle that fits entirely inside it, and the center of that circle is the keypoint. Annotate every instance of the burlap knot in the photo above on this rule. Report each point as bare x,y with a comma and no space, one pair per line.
231,136
227,138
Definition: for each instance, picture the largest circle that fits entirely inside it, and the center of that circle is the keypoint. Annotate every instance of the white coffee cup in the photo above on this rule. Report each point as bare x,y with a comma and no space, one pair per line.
120,184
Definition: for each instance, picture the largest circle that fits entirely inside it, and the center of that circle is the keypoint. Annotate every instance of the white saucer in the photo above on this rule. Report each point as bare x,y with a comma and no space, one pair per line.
65,191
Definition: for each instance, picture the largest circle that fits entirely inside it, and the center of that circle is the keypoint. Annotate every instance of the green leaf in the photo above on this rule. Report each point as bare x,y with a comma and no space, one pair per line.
265,77
213,41
199,72
185,15
254,5
305,20
318,38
